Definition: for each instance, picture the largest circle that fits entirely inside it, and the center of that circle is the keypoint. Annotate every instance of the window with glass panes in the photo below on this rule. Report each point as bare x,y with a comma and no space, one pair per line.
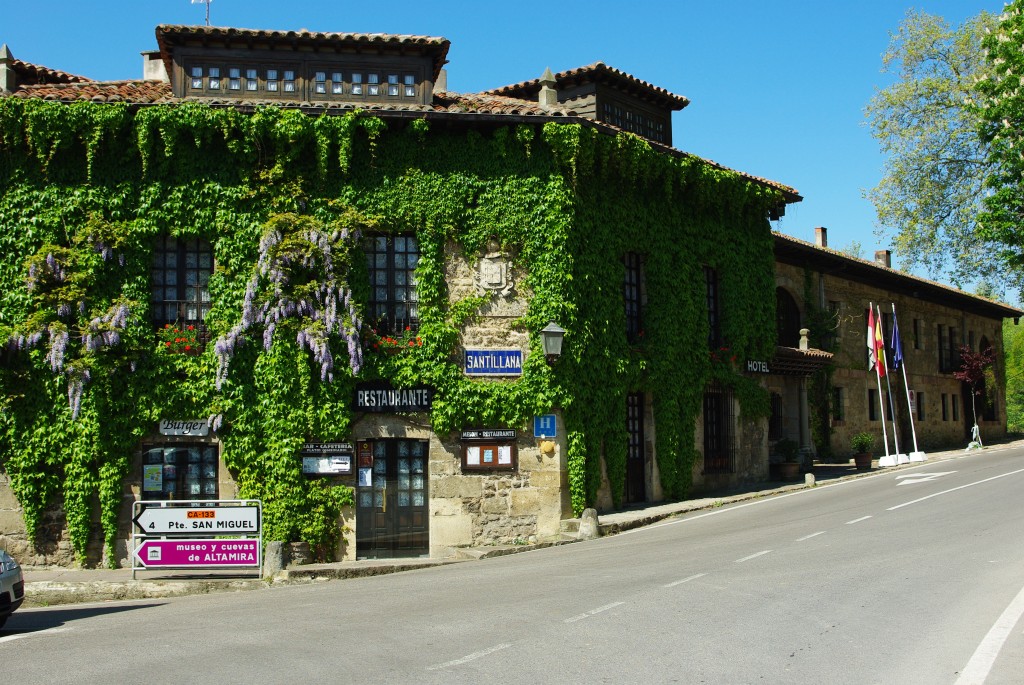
180,276
711,293
180,471
632,295
391,261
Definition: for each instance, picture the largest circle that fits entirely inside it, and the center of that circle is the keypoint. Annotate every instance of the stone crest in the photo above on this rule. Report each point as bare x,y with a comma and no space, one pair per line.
492,272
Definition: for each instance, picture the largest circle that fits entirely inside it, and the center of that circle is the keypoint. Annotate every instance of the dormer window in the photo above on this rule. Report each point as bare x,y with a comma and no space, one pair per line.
197,78
234,78
214,78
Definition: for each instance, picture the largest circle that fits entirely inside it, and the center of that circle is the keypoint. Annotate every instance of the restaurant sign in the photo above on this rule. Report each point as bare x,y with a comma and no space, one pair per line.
194,428
381,397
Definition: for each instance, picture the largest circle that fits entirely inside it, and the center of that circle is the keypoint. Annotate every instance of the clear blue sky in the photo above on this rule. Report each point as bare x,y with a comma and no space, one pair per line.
777,87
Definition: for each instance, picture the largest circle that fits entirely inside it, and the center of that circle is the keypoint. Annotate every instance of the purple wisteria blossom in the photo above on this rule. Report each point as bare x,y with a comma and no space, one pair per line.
305,281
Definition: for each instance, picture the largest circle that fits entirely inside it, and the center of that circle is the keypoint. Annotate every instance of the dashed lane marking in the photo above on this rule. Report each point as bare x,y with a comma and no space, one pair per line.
685,580
812,535
862,518
592,612
753,556
470,657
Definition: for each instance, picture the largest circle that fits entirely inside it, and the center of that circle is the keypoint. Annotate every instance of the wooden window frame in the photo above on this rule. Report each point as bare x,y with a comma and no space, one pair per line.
383,313
490,445
182,248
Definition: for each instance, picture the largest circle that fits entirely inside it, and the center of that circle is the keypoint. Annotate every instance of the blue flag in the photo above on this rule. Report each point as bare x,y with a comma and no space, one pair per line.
897,348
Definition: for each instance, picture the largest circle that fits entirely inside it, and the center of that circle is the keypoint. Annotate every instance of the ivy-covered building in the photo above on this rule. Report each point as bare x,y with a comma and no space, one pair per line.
291,266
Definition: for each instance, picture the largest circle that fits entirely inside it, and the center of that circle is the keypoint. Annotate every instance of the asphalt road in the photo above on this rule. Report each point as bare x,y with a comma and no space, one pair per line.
915,576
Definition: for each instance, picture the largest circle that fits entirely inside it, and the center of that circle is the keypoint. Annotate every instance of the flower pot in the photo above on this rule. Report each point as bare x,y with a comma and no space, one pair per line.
789,470
863,461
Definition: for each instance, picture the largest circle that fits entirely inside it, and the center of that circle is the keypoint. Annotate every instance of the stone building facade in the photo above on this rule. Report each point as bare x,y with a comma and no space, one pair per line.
934,320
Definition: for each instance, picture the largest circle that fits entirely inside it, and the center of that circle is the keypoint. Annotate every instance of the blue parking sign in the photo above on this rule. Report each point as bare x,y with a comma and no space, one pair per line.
544,426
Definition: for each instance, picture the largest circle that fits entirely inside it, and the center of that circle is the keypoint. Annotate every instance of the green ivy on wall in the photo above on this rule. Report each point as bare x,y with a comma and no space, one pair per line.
97,184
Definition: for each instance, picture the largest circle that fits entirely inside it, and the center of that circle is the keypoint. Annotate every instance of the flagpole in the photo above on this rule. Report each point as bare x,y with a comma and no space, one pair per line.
878,379
916,455
888,386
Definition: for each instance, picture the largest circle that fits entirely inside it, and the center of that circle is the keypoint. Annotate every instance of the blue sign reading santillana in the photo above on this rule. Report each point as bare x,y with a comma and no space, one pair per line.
494,362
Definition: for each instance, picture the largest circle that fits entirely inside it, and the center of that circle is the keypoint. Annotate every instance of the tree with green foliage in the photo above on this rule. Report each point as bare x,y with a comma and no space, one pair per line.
1000,112
930,194
1013,359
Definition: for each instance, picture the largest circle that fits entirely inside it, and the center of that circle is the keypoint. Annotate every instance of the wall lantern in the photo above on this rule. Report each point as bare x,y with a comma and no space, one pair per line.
551,337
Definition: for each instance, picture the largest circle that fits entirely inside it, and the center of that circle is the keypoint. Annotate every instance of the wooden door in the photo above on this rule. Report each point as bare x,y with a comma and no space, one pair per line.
391,511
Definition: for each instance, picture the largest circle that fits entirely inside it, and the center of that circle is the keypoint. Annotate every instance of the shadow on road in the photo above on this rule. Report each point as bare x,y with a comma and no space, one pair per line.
36,619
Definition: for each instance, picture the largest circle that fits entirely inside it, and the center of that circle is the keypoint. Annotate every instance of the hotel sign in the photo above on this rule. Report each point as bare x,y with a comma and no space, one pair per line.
494,362
757,366
383,398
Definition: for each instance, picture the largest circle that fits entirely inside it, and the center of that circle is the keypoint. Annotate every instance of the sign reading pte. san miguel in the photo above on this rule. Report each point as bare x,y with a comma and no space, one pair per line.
382,397
494,362
489,434
194,427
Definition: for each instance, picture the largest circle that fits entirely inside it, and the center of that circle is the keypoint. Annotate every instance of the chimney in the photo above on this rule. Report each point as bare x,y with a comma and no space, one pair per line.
441,84
884,258
153,68
8,79
821,236
548,96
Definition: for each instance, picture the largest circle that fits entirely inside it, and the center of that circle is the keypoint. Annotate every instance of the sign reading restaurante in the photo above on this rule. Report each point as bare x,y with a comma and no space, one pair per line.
383,397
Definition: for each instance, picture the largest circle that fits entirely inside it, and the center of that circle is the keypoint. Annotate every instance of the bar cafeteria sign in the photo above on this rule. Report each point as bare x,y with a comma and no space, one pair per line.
384,398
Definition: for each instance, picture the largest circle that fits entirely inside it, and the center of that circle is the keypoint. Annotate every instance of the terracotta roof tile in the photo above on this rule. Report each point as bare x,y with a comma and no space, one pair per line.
485,103
134,92
596,71
32,74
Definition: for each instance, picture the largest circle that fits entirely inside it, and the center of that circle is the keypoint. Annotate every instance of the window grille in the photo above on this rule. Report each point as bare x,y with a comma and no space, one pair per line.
180,277
718,430
391,262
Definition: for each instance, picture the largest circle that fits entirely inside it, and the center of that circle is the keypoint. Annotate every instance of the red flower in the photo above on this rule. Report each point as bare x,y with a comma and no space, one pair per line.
408,328
167,344
412,344
191,328
187,348
167,325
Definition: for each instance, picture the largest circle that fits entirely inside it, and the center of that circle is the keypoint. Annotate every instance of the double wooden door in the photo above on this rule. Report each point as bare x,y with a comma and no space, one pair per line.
391,500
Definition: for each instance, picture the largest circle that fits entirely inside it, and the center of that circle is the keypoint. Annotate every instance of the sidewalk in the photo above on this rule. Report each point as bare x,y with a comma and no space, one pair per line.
53,586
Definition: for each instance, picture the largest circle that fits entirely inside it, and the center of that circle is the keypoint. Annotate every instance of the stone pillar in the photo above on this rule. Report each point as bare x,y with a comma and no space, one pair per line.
548,96
8,80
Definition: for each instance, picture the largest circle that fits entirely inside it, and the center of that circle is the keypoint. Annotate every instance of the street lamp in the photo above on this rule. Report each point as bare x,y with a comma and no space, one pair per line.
551,338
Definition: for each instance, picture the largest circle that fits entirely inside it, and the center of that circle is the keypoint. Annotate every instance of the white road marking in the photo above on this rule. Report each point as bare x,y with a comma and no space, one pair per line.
961,487
812,535
34,633
978,668
471,657
914,478
753,556
862,518
592,612
685,580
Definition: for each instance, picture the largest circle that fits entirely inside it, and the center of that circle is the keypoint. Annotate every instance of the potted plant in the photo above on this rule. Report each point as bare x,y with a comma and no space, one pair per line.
861,444
789,450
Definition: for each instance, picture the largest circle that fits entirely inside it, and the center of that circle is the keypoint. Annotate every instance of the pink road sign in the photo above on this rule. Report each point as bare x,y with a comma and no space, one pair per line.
199,553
